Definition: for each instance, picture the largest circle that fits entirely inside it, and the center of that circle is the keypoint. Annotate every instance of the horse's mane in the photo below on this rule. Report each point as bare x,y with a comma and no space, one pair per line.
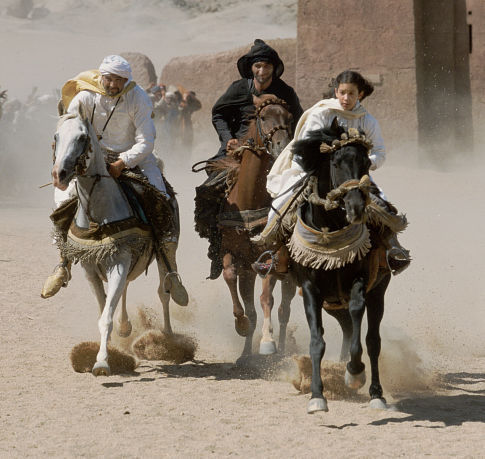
307,151
229,163
65,117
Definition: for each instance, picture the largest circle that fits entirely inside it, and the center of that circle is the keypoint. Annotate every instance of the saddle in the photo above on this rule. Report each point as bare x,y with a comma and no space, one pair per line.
156,218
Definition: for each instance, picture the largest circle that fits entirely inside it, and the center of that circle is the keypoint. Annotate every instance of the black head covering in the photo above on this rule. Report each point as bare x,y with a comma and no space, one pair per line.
260,51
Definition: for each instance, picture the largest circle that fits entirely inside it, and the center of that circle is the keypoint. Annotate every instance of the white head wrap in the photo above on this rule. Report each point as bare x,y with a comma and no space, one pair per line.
116,65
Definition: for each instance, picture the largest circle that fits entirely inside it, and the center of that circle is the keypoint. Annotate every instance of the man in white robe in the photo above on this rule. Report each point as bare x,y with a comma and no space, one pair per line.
121,114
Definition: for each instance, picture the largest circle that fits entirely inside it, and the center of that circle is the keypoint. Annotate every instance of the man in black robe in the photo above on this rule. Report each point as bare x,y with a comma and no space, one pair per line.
260,69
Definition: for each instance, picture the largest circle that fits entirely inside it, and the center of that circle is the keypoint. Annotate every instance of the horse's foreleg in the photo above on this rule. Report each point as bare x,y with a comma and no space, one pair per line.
230,276
246,289
116,276
164,296
124,324
267,344
96,285
288,292
313,300
355,374
375,312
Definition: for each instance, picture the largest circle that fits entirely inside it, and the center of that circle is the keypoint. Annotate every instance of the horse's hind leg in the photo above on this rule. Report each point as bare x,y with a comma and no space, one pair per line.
164,296
116,276
267,344
124,324
246,289
355,374
375,312
288,291
345,322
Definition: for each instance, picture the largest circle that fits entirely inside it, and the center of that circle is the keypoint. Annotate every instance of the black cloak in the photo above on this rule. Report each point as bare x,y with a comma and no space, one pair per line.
231,112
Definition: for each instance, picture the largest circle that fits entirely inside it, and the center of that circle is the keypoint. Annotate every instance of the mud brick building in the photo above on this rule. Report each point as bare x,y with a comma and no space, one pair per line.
425,58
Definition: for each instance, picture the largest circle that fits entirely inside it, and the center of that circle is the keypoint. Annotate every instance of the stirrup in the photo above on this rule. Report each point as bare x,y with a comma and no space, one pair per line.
264,269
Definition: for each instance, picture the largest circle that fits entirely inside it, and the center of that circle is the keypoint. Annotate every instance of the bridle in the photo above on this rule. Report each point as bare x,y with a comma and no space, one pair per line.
80,169
267,137
336,194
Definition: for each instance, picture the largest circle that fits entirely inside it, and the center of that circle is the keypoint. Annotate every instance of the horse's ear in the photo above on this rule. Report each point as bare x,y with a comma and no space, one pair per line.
334,127
256,100
82,112
60,108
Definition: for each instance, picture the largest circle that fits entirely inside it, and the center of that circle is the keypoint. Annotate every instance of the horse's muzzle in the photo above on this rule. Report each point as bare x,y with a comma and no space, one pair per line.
59,178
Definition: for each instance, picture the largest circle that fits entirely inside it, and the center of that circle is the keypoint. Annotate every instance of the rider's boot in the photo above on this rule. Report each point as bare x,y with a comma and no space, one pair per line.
172,282
398,258
274,262
59,278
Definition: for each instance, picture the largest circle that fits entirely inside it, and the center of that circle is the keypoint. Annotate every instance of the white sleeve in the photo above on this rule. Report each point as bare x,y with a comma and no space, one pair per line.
141,115
373,131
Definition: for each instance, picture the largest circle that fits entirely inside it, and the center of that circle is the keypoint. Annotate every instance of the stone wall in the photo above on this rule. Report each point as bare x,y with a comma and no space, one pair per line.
476,31
210,75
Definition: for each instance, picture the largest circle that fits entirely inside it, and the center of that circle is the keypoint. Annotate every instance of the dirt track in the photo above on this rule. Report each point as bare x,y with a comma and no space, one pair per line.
433,361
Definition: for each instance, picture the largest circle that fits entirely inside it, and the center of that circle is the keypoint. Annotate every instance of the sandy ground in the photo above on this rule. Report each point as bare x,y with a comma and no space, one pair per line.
433,355
433,352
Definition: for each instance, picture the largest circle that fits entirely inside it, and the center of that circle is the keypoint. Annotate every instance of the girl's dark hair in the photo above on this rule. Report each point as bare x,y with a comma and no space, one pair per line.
350,76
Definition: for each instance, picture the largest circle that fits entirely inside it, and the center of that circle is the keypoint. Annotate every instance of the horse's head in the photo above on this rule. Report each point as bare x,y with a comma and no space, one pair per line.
71,148
341,162
273,123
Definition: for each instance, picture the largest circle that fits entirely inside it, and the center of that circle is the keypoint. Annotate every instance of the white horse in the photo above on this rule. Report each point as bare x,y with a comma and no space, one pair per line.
101,202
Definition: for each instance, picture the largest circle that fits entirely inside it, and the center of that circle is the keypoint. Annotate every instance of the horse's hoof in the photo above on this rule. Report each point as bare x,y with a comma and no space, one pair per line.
317,404
242,325
354,381
267,347
101,369
124,329
378,404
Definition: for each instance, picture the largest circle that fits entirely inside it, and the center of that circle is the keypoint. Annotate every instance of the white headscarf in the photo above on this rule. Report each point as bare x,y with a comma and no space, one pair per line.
116,65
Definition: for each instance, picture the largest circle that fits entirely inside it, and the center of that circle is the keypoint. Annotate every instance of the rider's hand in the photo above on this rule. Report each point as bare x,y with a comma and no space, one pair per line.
116,168
232,144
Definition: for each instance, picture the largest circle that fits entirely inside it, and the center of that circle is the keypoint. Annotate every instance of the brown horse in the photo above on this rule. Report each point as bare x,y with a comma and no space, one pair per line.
244,215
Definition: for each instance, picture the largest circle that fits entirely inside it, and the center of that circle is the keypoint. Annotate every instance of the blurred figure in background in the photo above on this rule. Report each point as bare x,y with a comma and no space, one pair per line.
188,105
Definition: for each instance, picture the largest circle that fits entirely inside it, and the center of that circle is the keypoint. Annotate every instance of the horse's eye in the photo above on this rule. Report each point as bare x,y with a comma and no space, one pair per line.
56,137
262,118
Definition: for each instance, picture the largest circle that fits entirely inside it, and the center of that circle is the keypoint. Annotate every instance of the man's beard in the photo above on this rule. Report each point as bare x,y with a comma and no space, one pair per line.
263,80
112,92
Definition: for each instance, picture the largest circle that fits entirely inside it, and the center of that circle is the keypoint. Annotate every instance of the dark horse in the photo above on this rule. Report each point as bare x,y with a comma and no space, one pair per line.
244,214
340,201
